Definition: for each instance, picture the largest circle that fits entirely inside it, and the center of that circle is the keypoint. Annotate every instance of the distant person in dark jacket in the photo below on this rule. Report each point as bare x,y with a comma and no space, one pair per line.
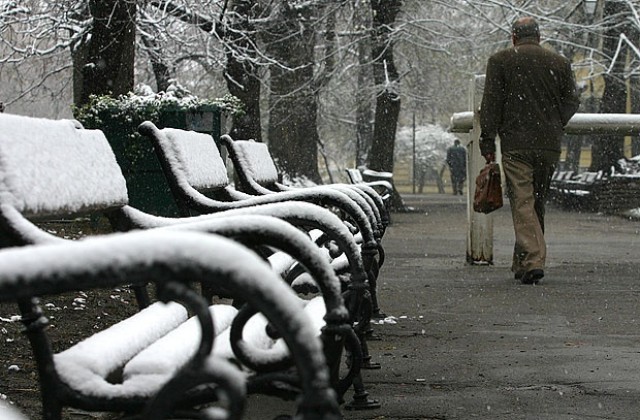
529,96
457,161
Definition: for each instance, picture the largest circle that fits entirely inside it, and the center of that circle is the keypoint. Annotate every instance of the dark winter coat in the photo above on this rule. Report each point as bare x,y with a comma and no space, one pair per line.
529,96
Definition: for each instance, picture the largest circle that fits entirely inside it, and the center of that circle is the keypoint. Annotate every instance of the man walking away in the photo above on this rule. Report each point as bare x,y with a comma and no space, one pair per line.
457,161
529,96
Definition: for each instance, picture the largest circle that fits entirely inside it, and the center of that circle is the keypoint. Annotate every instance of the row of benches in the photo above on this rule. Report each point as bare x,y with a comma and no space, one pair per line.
296,268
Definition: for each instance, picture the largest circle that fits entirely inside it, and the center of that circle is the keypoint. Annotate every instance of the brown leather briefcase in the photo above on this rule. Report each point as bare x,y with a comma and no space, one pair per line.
488,195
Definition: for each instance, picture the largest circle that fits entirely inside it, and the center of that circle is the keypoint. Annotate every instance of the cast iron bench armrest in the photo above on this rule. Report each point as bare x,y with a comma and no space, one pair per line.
301,214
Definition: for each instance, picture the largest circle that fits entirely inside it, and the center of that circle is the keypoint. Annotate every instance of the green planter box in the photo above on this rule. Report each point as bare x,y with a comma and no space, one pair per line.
147,186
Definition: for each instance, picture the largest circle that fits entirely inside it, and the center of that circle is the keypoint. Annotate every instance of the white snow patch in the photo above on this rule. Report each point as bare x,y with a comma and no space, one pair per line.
86,365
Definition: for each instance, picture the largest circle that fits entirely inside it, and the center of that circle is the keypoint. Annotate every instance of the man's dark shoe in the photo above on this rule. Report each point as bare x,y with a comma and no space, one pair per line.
532,276
518,274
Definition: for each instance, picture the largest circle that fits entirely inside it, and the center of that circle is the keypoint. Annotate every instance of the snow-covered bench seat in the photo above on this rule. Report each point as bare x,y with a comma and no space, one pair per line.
157,361
55,169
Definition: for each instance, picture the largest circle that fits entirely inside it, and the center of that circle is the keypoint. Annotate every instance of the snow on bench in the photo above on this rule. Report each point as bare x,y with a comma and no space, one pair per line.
73,183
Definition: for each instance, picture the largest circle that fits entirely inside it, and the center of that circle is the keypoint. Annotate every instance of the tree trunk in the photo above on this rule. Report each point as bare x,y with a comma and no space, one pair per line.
111,49
364,97
240,73
386,78
293,134
79,53
608,149
293,130
162,70
79,59
384,132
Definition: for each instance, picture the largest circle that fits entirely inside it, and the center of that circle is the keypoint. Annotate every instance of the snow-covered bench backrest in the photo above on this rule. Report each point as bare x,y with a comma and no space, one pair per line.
256,161
355,176
195,157
51,167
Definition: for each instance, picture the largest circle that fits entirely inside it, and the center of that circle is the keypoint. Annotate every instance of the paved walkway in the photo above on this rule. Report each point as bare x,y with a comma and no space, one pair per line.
472,343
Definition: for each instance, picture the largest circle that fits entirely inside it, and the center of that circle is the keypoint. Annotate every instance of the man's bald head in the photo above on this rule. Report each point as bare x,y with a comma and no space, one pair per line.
525,28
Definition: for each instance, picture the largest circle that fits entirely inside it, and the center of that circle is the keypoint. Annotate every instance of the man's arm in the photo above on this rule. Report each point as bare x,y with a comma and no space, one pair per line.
492,99
491,107
570,96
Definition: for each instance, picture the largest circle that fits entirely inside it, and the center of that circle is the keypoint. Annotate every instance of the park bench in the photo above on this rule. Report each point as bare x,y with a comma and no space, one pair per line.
257,175
197,178
182,152
381,182
117,369
596,191
71,170
571,190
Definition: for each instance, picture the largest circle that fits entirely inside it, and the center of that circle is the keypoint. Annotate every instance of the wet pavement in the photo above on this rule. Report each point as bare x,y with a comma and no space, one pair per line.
470,342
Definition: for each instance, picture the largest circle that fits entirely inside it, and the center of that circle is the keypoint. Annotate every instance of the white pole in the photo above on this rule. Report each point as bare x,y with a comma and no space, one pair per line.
413,176
480,233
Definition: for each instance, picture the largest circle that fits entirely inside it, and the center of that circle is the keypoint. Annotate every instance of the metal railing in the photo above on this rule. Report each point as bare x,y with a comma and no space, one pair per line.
618,124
